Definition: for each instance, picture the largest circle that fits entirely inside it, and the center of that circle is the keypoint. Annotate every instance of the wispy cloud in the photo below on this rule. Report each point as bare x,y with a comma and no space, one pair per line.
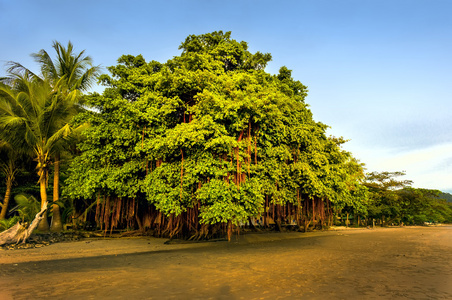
429,167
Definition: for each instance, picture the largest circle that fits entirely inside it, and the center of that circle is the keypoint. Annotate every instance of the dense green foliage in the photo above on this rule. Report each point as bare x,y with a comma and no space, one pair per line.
210,130
445,196
394,201
195,146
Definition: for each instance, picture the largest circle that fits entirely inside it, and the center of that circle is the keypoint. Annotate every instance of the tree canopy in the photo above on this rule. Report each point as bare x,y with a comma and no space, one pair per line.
211,134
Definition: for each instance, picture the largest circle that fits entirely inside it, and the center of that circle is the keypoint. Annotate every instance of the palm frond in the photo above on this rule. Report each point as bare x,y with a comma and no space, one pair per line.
77,68
8,223
48,69
17,69
62,133
11,121
6,92
35,112
28,207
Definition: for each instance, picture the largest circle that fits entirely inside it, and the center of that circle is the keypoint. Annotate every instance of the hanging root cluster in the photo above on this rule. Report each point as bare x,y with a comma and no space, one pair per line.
130,214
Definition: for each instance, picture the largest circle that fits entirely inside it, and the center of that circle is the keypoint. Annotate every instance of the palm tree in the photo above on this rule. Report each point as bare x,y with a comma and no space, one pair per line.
35,115
70,72
74,72
8,159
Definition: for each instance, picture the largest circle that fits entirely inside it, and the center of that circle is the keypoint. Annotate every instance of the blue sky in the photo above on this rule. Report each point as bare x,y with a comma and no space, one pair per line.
379,72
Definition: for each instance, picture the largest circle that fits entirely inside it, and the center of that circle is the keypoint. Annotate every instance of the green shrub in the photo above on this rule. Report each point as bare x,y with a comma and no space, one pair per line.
8,223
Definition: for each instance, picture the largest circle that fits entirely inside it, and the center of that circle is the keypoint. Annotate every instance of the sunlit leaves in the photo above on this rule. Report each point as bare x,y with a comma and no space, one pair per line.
209,129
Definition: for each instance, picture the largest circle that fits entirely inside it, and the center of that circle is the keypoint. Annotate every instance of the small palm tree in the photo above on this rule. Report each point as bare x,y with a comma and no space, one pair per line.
27,207
8,158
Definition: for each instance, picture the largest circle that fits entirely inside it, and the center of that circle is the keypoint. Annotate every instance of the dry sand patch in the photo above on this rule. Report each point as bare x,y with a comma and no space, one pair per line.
395,263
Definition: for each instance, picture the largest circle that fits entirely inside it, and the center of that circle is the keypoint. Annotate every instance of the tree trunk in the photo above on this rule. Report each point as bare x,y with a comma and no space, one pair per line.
19,233
9,184
10,173
252,227
313,213
56,224
43,173
140,224
306,224
278,226
229,230
266,212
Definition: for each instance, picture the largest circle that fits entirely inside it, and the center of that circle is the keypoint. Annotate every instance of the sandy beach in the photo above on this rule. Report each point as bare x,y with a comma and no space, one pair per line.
381,263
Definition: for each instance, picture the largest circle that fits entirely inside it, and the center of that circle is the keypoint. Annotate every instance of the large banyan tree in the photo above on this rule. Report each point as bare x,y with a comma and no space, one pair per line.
208,141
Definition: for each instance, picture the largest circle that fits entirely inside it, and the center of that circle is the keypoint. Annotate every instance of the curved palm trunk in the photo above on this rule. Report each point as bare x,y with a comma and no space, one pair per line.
9,184
44,224
10,172
43,175
56,224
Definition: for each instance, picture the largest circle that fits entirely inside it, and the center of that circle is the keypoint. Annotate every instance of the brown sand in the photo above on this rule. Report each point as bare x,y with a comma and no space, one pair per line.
389,263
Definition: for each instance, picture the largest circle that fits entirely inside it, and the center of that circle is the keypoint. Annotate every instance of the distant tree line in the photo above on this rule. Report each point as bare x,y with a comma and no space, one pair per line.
195,147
